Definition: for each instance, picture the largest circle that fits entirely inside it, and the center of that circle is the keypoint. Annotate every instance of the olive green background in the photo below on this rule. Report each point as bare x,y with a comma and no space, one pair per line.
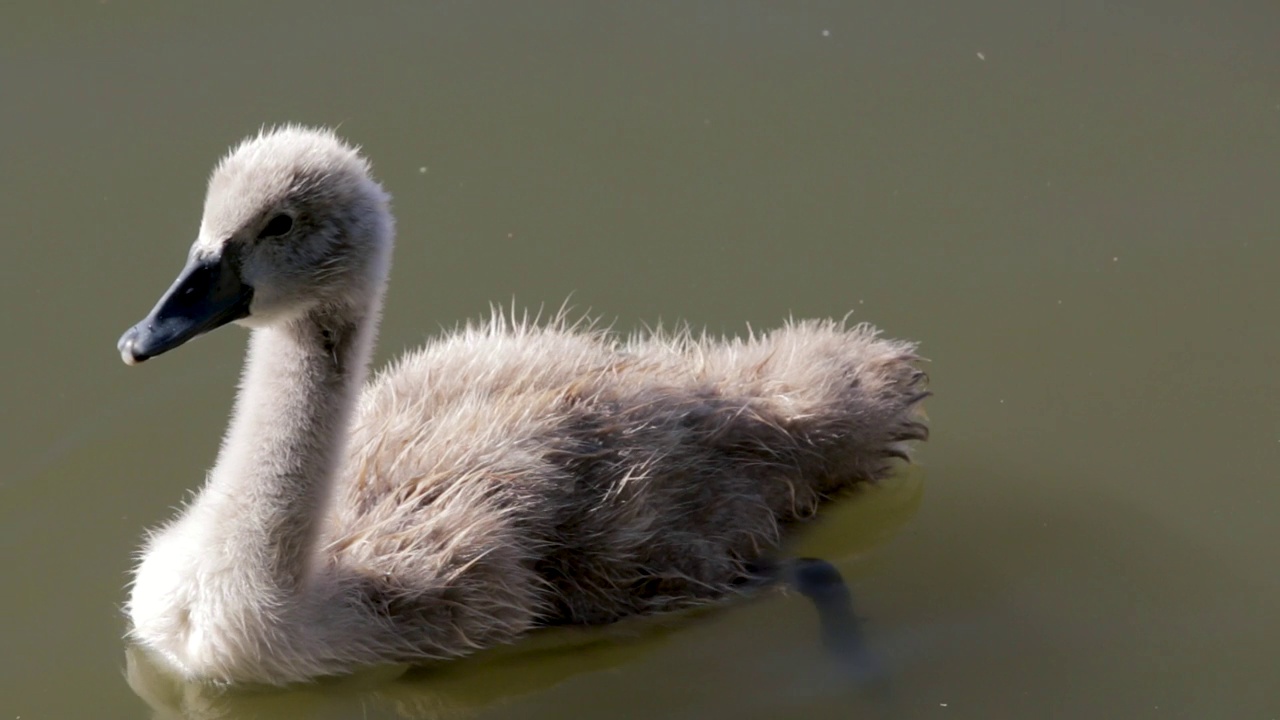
1073,205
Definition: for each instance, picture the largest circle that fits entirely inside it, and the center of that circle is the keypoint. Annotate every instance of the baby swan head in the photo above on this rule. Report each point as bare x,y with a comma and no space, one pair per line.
293,223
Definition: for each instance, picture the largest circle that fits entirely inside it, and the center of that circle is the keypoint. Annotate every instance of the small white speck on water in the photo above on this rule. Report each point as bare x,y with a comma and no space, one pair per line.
1001,401
1115,259
942,704
826,33
1059,302
982,57
423,169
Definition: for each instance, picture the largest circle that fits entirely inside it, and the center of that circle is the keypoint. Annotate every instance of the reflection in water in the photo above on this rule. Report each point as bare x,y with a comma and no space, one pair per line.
465,687
553,656
454,689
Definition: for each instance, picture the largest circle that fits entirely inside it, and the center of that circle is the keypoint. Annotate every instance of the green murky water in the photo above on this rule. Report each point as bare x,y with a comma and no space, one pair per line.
1073,205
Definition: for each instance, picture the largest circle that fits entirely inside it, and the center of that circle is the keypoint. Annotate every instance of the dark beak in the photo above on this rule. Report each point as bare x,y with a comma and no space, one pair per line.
207,294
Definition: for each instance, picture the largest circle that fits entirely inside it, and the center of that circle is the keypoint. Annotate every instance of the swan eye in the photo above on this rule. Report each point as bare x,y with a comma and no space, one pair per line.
277,226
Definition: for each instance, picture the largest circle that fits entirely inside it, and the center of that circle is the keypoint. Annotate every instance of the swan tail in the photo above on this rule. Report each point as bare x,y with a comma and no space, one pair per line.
830,405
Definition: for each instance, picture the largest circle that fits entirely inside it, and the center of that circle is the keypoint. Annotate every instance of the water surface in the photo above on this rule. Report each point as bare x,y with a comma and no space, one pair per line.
1073,206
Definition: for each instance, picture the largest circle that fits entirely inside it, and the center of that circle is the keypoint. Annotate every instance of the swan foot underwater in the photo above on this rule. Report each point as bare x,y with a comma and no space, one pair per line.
507,476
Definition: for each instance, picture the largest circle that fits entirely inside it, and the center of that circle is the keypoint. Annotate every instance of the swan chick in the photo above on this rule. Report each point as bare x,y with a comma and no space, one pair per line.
510,475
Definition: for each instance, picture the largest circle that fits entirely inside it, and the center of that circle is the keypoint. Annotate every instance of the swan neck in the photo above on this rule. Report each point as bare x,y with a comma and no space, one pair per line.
271,485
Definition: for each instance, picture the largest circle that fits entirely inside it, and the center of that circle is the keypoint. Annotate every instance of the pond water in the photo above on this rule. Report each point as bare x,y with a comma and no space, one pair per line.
1072,205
